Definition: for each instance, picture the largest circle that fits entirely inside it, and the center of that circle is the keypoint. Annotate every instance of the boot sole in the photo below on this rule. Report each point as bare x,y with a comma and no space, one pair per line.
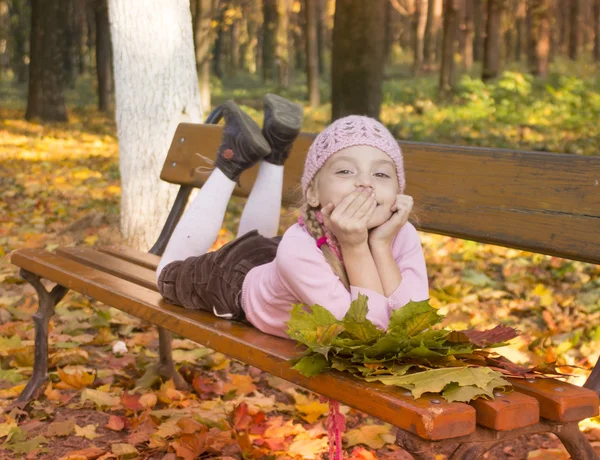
250,129
286,114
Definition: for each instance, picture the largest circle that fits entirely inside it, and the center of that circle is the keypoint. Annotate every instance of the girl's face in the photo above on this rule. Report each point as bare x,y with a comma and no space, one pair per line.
352,167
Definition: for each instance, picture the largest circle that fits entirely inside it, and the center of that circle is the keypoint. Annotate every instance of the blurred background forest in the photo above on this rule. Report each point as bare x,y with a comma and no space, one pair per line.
503,73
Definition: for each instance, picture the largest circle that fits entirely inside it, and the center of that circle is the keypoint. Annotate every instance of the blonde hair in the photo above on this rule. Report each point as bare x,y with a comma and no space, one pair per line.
310,216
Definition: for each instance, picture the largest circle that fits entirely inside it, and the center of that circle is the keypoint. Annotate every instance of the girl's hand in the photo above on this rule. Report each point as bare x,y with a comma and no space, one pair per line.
385,233
348,220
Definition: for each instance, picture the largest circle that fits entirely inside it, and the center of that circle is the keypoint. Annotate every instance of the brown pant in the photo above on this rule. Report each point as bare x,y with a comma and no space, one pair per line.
213,282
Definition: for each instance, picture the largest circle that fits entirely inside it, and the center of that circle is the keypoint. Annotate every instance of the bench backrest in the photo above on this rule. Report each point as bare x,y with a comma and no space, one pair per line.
541,202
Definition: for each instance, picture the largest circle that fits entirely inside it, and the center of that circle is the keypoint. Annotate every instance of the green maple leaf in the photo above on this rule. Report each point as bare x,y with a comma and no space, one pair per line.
315,327
356,323
311,364
435,380
413,318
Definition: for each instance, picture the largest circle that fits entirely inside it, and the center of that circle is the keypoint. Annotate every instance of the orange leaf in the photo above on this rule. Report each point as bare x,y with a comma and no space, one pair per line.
242,384
131,401
189,426
190,446
76,378
116,423
90,453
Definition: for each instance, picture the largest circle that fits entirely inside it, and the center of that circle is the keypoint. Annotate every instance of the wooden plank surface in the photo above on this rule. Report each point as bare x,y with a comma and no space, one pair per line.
507,411
499,414
559,401
427,417
541,202
143,259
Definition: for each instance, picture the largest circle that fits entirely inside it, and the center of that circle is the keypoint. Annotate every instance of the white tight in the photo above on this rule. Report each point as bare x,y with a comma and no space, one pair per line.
200,224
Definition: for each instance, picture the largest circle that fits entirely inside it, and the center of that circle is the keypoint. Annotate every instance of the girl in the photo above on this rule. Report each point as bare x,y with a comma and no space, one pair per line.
353,235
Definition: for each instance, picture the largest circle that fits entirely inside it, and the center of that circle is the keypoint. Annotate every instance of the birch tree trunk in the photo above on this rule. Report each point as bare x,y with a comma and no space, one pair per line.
156,89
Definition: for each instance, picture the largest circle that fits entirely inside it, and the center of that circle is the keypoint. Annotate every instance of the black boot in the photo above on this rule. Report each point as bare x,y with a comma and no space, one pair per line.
242,144
281,126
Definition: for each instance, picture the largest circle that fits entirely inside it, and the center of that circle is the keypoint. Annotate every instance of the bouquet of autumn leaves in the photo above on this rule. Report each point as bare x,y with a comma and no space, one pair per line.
411,354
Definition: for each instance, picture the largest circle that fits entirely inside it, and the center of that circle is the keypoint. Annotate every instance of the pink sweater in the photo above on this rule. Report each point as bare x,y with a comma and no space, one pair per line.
300,274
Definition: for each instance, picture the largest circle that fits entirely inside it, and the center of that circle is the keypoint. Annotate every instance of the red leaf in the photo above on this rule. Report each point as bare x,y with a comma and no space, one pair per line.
483,338
131,401
116,423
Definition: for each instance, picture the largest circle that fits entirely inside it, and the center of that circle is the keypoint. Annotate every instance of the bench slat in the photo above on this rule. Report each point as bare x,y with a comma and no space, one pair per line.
507,411
500,414
143,259
429,420
498,196
107,263
559,401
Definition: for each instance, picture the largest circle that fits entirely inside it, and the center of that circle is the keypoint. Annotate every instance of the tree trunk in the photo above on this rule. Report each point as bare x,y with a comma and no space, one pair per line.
596,22
539,38
575,25
234,47
358,58
69,53
492,44
479,25
469,35
432,32
156,89
78,34
46,98
282,55
103,55
217,67
521,32
312,53
203,41
450,29
269,39
419,24
20,31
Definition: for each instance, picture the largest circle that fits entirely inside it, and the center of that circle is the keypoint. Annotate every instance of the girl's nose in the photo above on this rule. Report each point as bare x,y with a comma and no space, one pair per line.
364,183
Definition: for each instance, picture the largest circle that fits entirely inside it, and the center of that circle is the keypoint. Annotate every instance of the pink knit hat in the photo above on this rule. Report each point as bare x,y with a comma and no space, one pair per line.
348,132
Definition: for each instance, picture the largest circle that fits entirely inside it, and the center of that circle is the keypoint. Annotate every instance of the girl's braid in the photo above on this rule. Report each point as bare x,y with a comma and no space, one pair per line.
313,222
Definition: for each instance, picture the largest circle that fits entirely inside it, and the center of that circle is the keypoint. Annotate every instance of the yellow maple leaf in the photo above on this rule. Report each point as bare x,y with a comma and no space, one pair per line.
242,384
313,410
76,378
88,432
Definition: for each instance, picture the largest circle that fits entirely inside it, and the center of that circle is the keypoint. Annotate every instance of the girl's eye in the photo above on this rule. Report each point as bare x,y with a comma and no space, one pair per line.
382,175
343,171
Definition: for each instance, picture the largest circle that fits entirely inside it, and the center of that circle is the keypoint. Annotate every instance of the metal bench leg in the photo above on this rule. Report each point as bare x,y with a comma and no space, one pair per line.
166,365
41,319
593,381
575,442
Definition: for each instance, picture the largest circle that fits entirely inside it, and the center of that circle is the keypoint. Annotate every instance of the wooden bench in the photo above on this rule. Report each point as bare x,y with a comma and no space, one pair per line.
540,202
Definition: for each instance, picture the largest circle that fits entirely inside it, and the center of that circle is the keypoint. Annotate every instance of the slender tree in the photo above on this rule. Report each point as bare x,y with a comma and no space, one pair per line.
103,55
19,12
479,26
282,54
419,24
492,44
575,28
469,34
203,40
269,39
520,28
432,32
358,57
450,29
46,98
596,24
539,38
312,53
